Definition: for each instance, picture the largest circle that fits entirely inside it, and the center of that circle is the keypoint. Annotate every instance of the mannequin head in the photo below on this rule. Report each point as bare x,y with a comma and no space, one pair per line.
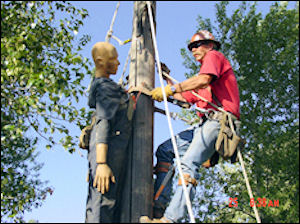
105,57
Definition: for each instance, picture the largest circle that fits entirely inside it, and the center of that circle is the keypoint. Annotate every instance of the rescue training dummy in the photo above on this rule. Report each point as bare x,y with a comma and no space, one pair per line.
110,133
217,83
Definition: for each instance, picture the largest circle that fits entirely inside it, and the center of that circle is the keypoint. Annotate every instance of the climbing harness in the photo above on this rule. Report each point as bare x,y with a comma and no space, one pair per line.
188,201
168,176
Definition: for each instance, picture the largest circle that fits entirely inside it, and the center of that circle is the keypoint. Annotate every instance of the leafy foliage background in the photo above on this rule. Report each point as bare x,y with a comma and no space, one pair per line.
41,74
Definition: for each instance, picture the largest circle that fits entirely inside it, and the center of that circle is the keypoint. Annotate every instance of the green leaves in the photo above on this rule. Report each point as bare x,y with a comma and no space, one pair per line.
41,75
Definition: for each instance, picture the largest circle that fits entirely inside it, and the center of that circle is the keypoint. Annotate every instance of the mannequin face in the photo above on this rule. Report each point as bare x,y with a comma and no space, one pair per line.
106,60
112,63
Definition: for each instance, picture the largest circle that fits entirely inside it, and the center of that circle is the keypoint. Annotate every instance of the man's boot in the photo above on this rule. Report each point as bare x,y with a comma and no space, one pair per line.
146,219
158,210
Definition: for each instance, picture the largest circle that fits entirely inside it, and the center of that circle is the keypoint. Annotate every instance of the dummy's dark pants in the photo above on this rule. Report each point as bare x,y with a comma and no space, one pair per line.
106,208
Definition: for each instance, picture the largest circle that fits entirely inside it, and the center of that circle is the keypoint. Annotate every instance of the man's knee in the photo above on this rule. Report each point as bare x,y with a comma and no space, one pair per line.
165,152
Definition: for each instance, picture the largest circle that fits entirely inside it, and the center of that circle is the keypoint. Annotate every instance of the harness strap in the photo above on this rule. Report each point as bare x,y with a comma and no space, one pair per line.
187,180
140,90
162,167
169,175
216,99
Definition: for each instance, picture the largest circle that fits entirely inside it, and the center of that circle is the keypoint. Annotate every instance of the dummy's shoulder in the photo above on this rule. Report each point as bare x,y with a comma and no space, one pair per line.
102,88
102,81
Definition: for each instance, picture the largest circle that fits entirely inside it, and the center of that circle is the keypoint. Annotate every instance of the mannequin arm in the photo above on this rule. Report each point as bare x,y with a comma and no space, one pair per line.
103,172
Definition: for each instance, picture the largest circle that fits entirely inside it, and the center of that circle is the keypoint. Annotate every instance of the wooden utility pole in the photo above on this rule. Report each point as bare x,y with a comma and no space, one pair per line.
137,197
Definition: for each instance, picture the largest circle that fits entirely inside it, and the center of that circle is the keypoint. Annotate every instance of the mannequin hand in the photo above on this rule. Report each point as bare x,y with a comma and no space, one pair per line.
157,93
103,175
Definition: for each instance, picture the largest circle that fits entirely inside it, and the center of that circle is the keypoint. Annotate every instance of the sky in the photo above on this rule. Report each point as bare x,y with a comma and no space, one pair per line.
175,24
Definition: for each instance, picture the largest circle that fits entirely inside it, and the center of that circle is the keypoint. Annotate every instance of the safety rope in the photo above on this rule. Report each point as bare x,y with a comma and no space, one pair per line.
121,80
188,201
248,185
107,39
110,31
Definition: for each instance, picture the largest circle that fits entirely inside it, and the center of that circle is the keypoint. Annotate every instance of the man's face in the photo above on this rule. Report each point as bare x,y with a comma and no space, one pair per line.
199,52
113,62
199,46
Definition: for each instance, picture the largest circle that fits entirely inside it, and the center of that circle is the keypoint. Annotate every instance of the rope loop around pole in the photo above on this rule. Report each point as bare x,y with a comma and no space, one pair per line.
110,31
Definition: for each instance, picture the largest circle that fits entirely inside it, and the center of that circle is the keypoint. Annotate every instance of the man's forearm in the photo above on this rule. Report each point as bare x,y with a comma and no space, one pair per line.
196,82
176,96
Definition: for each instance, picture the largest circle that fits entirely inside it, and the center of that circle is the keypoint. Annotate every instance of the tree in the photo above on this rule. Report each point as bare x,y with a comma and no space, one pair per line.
41,74
264,53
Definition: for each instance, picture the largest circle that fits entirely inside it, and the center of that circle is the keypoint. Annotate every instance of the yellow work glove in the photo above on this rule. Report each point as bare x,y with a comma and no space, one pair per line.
157,93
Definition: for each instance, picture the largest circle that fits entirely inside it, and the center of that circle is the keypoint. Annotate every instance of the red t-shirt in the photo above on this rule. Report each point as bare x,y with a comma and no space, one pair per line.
224,85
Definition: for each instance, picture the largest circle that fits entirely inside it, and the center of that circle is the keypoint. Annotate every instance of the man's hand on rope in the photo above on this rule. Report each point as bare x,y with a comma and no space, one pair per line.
157,93
164,69
102,178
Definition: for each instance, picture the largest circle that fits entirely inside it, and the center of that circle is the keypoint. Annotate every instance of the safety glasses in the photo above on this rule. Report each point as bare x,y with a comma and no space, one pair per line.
196,44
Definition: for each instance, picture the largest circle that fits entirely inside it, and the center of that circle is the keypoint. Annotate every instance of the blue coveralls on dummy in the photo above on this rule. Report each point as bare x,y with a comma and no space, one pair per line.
112,127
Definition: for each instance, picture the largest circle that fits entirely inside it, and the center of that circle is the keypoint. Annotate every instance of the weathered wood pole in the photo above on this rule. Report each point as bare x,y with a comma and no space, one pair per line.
138,193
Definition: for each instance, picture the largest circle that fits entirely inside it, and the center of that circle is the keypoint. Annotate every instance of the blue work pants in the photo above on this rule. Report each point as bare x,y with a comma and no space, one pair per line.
195,145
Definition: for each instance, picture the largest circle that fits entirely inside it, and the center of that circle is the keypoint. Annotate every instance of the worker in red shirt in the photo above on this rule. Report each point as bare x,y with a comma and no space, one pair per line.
215,82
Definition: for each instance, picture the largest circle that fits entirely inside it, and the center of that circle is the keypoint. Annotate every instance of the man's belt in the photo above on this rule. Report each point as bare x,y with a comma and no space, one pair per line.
217,115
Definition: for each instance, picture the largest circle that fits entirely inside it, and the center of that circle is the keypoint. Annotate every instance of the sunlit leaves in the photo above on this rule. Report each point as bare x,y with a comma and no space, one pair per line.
41,74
